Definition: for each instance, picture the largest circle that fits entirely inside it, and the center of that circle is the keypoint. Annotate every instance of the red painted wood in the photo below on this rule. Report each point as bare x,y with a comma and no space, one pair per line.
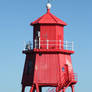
46,69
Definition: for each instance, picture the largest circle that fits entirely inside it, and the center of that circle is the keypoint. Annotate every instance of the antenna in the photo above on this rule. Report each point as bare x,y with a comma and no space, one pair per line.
50,0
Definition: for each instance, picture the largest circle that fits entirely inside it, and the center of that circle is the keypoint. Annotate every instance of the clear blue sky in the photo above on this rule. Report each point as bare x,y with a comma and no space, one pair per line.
15,17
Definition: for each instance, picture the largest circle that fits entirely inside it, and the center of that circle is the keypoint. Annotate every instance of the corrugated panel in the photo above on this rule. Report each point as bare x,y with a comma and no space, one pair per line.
28,72
69,63
65,60
46,68
70,67
62,63
48,32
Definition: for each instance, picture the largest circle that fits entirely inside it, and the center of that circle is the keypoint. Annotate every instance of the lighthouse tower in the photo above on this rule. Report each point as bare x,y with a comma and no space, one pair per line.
49,63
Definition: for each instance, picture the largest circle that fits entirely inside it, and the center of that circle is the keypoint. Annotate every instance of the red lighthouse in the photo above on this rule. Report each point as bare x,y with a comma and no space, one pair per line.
49,62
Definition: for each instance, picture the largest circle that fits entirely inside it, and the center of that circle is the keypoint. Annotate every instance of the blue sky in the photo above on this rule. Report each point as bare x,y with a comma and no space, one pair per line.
15,17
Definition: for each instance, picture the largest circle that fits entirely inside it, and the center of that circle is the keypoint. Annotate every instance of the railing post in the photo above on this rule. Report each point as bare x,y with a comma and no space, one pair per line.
72,46
59,44
47,44
66,43
35,44
39,42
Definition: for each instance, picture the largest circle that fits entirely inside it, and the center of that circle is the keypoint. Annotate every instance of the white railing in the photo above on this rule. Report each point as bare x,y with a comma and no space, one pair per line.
53,44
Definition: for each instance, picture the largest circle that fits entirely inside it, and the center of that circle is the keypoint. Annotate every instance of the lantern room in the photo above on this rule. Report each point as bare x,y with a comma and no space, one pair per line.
48,31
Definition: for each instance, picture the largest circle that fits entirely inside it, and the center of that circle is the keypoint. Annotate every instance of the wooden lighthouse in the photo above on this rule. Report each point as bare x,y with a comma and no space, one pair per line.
49,63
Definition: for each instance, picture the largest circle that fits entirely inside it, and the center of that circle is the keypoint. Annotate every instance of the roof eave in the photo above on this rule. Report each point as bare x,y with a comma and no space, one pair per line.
48,24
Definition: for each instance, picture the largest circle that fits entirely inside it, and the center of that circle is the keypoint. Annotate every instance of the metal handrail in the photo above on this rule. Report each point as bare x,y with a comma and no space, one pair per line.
50,43
74,77
65,81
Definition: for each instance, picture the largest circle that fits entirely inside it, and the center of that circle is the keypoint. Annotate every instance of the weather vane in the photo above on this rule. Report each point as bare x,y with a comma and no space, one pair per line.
50,0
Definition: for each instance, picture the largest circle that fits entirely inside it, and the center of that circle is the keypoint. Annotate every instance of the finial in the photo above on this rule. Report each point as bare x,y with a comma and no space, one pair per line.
48,5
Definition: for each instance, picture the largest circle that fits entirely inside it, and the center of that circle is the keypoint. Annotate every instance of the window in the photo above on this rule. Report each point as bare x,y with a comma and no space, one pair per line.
63,69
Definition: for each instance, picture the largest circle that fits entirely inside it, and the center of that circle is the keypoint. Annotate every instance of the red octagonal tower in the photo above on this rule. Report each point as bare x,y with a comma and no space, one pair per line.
49,62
